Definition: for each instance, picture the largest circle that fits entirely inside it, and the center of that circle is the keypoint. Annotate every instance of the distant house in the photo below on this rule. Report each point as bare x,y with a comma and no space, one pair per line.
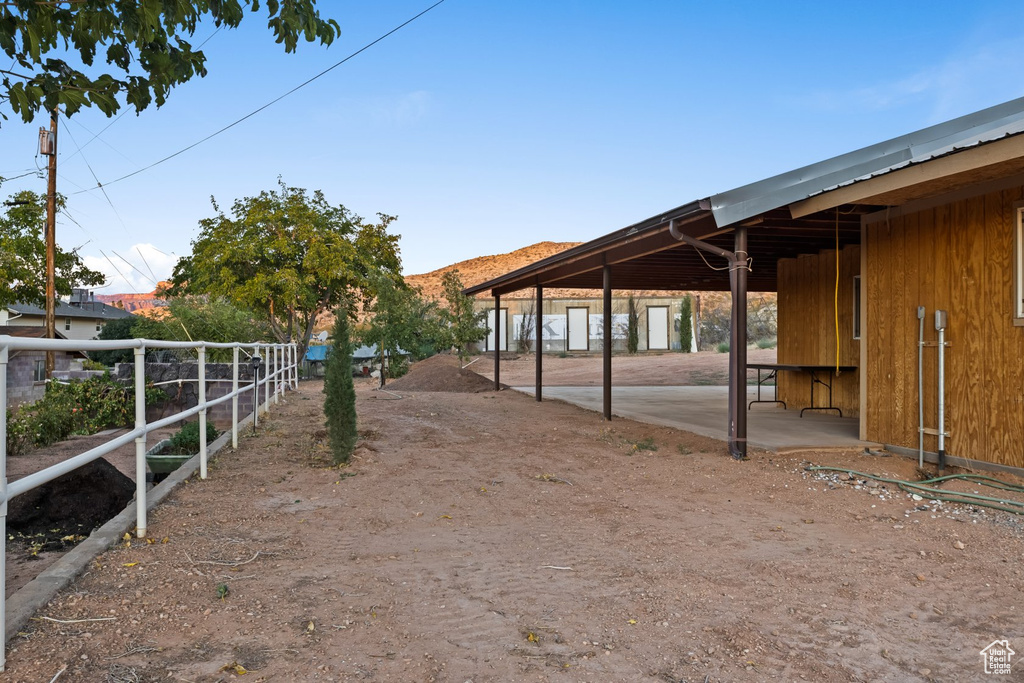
26,370
80,318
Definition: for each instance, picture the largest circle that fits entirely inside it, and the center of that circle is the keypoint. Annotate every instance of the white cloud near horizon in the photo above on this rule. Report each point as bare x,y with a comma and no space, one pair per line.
962,77
135,270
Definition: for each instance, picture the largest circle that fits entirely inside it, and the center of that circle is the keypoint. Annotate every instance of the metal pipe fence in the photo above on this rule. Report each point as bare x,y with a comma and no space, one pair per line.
280,375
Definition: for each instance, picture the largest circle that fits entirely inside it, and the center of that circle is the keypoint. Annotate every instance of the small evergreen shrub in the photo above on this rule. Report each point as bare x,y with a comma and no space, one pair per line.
340,401
723,347
186,440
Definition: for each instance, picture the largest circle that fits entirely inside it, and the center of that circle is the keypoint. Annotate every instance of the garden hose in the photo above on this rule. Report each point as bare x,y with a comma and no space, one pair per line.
921,489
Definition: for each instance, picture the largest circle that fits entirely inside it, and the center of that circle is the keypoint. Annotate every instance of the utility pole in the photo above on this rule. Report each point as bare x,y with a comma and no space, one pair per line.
51,236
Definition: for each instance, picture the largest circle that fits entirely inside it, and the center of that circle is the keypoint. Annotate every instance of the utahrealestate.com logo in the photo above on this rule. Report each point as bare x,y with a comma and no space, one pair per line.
997,657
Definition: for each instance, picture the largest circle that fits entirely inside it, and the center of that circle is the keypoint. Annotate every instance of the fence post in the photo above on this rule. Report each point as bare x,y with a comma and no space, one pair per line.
266,386
234,398
140,441
277,373
295,366
4,355
202,411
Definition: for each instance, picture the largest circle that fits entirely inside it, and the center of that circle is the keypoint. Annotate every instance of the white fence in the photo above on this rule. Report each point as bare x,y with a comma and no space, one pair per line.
281,363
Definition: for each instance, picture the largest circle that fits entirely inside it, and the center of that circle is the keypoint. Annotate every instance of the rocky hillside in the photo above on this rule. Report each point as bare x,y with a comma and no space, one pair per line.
484,268
140,304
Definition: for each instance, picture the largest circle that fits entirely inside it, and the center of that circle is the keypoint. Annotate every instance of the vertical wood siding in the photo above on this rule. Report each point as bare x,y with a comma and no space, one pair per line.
807,326
956,257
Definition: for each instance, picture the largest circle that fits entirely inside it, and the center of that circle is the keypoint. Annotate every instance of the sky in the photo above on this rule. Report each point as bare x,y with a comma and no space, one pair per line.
488,126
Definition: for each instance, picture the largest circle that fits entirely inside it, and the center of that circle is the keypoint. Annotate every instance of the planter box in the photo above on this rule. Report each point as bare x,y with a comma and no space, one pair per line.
164,464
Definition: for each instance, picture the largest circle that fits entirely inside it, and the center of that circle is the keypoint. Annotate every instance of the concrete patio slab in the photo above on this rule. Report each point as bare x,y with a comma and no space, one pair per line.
704,411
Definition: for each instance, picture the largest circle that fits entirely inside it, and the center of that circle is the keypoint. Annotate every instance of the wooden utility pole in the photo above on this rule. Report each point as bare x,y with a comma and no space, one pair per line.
51,240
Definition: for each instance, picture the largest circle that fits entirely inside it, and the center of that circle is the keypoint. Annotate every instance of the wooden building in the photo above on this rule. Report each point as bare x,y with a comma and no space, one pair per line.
863,250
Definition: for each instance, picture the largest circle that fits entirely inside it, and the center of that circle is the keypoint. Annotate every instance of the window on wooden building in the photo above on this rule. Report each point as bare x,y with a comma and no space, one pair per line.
39,371
67,324
856,306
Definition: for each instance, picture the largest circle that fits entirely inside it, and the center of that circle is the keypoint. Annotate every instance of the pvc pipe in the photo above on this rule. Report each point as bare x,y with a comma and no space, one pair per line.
942,399
920,386
202,412
234,399
266,381
140,442
278,364
4,357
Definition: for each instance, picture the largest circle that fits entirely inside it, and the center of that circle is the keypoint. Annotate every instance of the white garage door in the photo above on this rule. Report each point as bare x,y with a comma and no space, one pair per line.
504,330
579,332
657,327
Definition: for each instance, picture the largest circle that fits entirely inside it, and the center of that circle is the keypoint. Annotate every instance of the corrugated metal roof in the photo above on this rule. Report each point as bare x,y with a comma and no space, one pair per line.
967,131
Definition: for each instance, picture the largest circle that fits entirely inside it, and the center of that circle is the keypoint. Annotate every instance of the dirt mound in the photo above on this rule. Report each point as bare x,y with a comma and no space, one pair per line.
441,373
76,502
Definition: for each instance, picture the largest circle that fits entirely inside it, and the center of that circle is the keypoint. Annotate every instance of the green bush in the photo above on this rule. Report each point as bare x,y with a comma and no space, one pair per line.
723,347
79,407
768,343
340,400
92,365
19,431
186,440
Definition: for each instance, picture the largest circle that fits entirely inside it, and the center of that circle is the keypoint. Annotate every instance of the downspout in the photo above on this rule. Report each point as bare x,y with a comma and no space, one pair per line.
738,267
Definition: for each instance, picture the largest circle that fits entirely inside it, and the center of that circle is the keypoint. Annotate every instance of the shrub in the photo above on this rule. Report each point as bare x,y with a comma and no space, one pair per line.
186,440
19,432
686,324
340,402
768,343
88,364
723,347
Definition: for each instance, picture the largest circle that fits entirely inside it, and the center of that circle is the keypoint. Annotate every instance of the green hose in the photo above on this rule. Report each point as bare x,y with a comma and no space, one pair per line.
924,491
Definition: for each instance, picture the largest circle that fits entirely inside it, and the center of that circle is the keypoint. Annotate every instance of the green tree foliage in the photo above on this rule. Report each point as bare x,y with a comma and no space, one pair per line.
118,328
288,257
686,324
59,51
465,326
202,318
23,254
632,325
340,400
399,319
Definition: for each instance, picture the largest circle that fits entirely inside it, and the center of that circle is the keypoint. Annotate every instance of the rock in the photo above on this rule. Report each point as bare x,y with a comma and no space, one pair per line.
922,577
959,545
872,484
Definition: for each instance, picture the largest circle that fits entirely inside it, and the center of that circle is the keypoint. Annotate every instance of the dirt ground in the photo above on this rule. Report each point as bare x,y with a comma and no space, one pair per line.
486,537
641,370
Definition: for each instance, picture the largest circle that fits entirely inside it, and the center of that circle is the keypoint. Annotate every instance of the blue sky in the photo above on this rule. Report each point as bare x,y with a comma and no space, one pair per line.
488,126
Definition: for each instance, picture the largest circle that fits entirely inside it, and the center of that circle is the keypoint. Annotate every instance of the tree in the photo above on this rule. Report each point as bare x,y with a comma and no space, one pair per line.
340,400
203,318
399,320
465,325
288,257
23,254
118,328
143,42
525,331
686,324
632,325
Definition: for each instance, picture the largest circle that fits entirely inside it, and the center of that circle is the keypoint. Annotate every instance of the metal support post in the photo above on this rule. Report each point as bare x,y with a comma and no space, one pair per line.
202,412
607,350
738,349
140,442
234,398
497,342
538,344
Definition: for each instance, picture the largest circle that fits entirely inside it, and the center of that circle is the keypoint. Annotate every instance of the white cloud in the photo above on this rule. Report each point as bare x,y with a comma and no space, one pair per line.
134,270
408,108
985,73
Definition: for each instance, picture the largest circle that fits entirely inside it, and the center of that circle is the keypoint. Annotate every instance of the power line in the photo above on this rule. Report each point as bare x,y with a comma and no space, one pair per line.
102,189
272,102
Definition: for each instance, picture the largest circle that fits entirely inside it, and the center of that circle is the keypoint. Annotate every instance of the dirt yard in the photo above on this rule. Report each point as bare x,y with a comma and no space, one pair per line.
486,537
642,370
